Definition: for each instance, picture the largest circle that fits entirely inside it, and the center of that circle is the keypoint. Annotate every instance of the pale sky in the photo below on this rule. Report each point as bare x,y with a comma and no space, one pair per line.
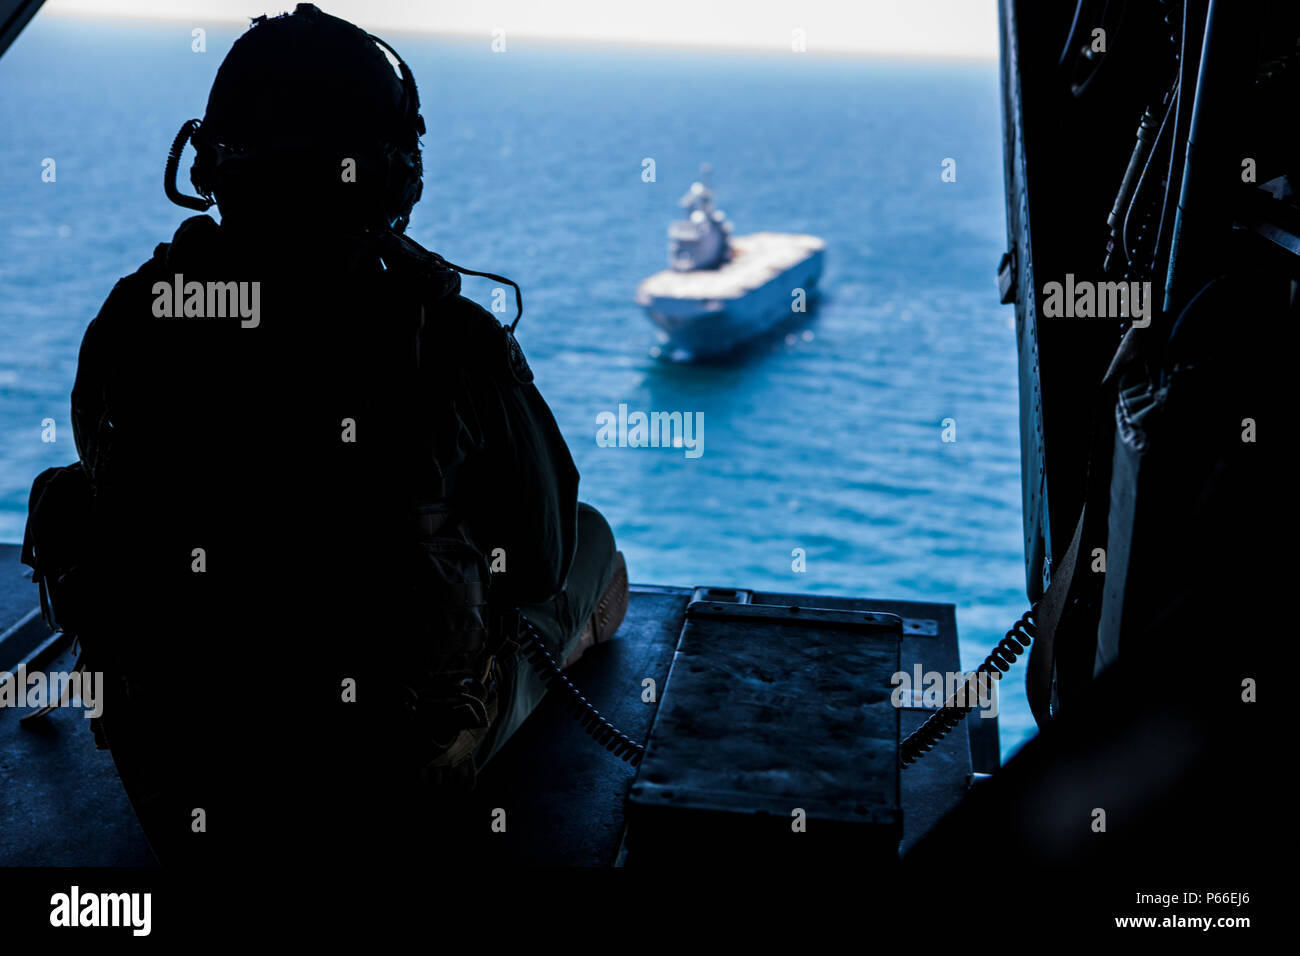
937,28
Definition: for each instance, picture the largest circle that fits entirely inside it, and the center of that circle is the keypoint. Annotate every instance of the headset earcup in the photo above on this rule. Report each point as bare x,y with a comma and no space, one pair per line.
201,170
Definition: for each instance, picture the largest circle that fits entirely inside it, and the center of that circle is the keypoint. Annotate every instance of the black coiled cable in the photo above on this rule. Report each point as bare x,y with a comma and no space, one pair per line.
592,721
173,162
952,713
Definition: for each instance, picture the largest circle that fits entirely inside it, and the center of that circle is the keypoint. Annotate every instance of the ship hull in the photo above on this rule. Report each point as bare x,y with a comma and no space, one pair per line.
714,312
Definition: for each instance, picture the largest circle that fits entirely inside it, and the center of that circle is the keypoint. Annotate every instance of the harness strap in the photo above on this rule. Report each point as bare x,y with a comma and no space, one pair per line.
1041,668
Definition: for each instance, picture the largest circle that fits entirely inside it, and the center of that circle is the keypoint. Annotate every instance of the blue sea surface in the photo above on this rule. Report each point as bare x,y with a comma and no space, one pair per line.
826,437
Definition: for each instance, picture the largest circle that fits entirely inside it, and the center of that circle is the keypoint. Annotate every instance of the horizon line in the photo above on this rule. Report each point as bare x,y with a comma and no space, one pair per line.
839,52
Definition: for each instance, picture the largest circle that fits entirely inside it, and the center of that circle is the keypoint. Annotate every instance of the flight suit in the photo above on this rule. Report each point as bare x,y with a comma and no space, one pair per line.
255,479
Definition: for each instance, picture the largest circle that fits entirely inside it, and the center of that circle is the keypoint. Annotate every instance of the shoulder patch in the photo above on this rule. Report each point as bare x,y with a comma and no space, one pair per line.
515,358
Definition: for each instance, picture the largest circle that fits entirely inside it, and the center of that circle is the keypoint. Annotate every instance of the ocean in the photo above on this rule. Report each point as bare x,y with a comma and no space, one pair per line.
826,436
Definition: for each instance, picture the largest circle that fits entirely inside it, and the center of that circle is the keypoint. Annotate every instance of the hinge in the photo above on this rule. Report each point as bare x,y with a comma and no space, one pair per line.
1007,276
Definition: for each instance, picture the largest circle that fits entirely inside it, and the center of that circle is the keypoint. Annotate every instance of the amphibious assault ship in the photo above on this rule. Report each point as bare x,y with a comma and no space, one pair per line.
719,292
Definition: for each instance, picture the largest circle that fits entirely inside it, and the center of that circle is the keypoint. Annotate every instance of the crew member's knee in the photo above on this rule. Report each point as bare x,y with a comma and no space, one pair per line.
594,532
593,565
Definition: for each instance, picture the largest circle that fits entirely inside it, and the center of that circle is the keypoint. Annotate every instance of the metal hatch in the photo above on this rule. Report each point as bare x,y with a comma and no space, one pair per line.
770,710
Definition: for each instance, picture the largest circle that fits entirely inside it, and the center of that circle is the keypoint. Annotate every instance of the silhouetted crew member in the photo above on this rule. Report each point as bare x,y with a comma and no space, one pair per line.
306,448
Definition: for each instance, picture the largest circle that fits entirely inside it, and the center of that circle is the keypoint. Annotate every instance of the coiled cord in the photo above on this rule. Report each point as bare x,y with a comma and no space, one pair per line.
591,719
952,713
173,162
